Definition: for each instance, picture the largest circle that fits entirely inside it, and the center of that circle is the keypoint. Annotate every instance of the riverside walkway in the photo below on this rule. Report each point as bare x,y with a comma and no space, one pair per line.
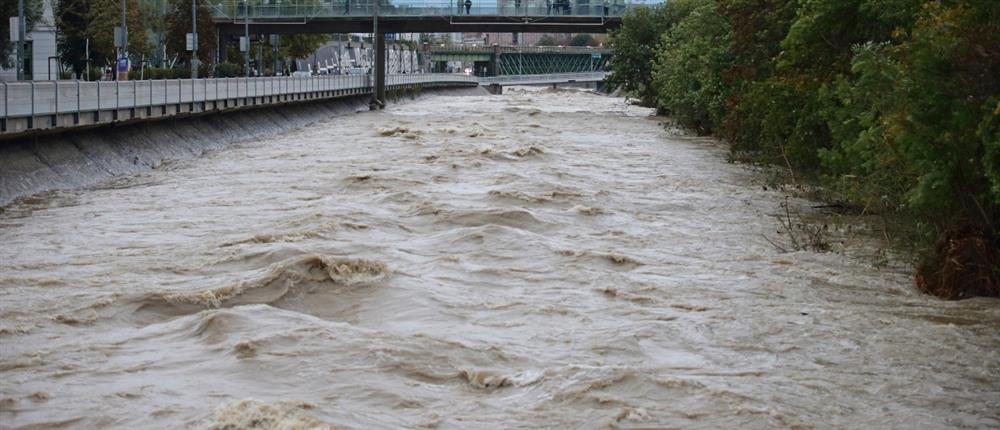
32,107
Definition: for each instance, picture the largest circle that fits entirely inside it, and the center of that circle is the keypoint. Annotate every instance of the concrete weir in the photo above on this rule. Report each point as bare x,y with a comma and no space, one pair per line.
79,158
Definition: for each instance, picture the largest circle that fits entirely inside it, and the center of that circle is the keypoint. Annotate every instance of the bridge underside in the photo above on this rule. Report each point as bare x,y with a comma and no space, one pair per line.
425,24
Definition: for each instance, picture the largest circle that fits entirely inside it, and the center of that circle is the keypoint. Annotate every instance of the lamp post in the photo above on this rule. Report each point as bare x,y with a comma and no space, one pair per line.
194,39
246,35
124,40
20,39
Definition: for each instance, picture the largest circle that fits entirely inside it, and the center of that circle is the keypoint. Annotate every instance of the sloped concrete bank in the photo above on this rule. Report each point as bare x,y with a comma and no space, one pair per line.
79,159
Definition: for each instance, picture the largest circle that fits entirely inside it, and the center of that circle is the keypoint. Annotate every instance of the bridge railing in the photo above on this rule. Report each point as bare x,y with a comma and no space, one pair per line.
39,98
482,49
305,9
544,78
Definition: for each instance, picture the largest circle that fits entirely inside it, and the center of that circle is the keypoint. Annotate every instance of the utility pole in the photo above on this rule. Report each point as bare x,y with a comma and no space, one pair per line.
194,39
124,51
378,96
20,39
246,35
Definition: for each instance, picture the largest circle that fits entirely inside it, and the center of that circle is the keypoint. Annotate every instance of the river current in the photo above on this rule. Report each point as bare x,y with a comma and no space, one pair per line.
541,259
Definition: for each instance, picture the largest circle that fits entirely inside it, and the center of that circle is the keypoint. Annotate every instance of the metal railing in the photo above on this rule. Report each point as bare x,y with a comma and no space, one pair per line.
35,98
552,78
304,9
482,49
39,98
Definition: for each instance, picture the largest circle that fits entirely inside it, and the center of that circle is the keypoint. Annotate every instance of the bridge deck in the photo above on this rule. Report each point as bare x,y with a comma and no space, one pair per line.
338,16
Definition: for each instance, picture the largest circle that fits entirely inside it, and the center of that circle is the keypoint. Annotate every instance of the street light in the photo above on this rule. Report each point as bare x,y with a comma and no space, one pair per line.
20,39
123,43
246,36
194,39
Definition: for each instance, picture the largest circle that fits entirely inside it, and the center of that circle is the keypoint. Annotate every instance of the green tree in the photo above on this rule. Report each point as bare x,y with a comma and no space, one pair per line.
635,44
582,39
547,40
302,45
71,39
178,25
688,71
102,17
8,8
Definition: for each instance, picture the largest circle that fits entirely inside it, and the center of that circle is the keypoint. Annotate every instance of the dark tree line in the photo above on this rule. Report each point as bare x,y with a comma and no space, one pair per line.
893,106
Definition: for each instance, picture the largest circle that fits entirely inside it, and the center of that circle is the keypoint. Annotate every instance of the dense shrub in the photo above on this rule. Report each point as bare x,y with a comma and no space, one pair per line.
688,69
228,70
893,105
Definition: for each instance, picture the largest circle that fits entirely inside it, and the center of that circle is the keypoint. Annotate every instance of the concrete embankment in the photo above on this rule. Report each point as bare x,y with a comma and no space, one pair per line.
79,159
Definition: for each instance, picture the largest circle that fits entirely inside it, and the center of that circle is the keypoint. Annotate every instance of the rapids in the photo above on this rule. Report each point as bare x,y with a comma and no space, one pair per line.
541,259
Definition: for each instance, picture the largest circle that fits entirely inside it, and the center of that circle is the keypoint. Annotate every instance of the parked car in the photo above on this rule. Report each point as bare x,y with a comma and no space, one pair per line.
301,74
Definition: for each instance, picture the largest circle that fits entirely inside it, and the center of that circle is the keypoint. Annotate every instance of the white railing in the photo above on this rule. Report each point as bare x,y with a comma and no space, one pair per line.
35,98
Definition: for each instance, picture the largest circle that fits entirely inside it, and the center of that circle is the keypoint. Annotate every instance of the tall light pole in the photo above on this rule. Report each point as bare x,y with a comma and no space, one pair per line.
20,39
124,31
194,39
246,35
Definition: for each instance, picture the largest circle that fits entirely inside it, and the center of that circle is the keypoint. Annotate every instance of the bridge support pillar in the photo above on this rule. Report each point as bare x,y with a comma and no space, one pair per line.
425,57
494,68
378,93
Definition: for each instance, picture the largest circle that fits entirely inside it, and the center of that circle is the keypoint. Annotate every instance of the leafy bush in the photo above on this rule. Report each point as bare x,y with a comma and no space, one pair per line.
228,70
687,72
894,105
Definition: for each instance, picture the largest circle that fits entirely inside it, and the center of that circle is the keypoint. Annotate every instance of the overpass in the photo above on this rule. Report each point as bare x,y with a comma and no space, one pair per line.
495,84
33,107
417,16
261,17
520,60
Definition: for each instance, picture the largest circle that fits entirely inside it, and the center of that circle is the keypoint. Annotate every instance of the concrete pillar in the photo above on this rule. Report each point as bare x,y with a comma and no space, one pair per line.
426,63
494,66
380,55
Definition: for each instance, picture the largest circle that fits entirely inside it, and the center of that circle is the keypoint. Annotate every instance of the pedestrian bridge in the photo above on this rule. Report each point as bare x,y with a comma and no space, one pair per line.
38,106
415,16
555,78
521,60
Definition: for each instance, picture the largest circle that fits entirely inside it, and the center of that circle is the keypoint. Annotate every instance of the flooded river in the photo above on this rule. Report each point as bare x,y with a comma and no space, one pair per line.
541,259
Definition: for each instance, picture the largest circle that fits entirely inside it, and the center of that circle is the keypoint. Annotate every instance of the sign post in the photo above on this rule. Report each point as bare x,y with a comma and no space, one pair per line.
123,68
20,37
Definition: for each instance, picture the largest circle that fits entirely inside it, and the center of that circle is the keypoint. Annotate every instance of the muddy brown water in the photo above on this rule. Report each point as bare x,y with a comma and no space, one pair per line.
534,260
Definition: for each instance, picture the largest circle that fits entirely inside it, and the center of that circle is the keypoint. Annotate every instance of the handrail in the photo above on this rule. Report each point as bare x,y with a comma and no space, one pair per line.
259,9
545,78
26,99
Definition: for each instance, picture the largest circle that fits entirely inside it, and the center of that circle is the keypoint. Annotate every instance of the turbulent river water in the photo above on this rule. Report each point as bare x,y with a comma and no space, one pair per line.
541,259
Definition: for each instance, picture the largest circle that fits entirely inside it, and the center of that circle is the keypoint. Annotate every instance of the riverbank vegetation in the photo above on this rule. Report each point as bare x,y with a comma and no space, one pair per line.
893,107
